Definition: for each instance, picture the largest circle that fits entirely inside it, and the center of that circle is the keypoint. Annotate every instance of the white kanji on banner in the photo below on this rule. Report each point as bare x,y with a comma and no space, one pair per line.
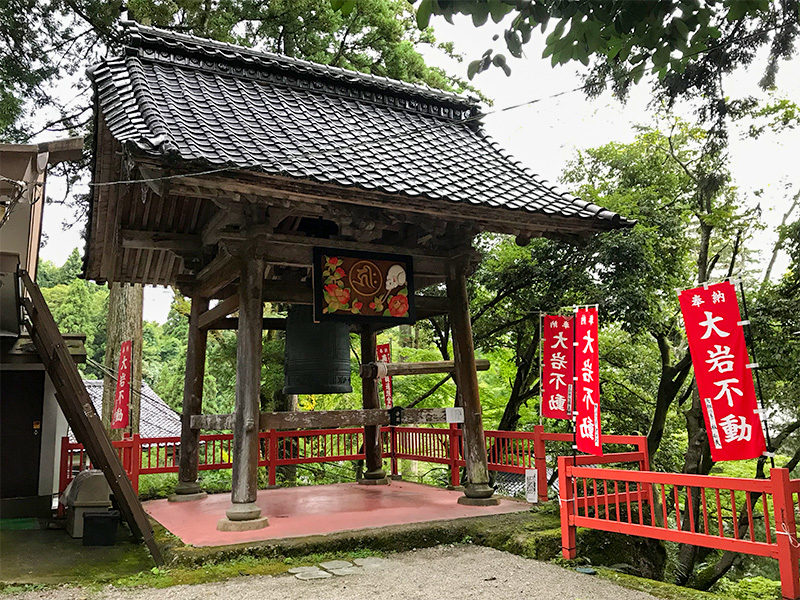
725,384
587,382
557,374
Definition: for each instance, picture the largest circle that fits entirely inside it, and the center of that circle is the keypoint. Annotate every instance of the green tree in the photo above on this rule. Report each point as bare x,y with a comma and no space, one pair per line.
49,43
78,306
688,45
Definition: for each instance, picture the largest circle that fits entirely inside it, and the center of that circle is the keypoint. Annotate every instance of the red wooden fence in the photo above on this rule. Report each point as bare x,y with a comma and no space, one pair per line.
690,509
508,451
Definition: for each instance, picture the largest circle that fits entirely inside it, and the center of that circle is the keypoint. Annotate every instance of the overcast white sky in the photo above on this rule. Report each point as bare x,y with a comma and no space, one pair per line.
545,135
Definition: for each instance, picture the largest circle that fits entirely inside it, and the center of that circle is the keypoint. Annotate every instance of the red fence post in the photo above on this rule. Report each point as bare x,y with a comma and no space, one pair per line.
273,457
135,455
644,465
66,467
566,503
65,472
786,530
455,472
540,461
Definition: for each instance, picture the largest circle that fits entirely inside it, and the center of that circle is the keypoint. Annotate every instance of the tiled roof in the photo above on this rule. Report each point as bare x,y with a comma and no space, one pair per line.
189,100
156,419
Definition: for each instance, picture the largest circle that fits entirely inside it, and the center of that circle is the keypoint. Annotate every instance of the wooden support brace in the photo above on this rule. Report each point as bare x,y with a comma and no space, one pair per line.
220,311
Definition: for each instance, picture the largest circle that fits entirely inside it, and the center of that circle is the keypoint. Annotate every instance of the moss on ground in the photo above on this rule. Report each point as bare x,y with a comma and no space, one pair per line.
660,589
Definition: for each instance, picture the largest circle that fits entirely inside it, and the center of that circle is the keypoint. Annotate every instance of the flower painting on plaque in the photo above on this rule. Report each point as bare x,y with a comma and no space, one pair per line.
355,286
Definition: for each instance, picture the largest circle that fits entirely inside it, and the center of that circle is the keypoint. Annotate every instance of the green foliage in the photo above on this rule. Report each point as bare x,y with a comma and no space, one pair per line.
78,306
45,42
750,588
679,41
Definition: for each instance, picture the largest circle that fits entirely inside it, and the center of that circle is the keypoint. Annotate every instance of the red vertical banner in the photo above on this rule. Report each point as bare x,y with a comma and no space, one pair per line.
722,371
120,418
587,382
557,385
384,353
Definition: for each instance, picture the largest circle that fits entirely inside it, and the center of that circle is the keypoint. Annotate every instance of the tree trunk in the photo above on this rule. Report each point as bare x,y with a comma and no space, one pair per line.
670,383
124,323
697,461
521,390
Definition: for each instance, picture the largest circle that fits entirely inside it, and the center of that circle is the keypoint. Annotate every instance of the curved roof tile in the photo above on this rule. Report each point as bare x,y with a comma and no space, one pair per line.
191,99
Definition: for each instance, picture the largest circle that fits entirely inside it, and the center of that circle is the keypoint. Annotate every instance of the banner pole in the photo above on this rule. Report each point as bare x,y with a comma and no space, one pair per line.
748,335
574,386
541,359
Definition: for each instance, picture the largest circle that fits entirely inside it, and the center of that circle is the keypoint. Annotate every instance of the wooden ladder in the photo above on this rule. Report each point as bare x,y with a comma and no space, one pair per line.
77,406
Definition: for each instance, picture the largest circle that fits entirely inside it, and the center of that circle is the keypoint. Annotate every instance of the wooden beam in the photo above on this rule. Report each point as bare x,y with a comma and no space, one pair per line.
299,293
220,311
370,370
297,251
232,324
180,243
324,419
215,275
485,218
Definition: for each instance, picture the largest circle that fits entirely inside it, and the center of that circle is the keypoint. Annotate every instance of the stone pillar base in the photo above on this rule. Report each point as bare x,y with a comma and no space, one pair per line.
384,481
478,490
201,495
455,488
250,525
397,478
478,501
244,511
376,474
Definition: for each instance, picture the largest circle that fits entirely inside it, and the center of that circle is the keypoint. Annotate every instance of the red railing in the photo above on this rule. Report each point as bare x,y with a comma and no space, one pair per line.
508,451
751,516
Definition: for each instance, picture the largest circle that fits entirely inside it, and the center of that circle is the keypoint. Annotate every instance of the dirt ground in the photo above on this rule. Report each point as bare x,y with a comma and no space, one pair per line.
464,572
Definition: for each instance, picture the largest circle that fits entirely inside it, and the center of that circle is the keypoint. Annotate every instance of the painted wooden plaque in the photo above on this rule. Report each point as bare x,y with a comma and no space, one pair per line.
365,287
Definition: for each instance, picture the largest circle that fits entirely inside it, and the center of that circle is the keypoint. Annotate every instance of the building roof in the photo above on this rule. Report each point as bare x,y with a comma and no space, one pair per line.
156,418
192,102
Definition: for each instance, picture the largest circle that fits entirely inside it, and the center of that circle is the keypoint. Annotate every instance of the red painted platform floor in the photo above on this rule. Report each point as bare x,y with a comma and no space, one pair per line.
320,509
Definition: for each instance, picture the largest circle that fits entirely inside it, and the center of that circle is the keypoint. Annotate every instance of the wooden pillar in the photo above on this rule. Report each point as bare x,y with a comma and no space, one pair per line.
244,514
369,391
477,489
188,488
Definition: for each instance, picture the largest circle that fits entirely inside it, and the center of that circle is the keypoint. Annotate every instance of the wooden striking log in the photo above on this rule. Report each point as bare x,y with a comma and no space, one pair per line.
371,370
192,400
467,377
324,419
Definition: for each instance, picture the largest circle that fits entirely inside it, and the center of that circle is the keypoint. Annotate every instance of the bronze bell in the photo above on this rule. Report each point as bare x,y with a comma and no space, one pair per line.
317,356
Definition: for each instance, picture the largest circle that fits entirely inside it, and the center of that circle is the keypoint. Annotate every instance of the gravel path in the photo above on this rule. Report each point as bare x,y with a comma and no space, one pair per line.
464,572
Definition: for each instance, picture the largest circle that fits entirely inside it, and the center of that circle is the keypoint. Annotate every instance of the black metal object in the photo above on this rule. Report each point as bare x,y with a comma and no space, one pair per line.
396,415
100,528
317,357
